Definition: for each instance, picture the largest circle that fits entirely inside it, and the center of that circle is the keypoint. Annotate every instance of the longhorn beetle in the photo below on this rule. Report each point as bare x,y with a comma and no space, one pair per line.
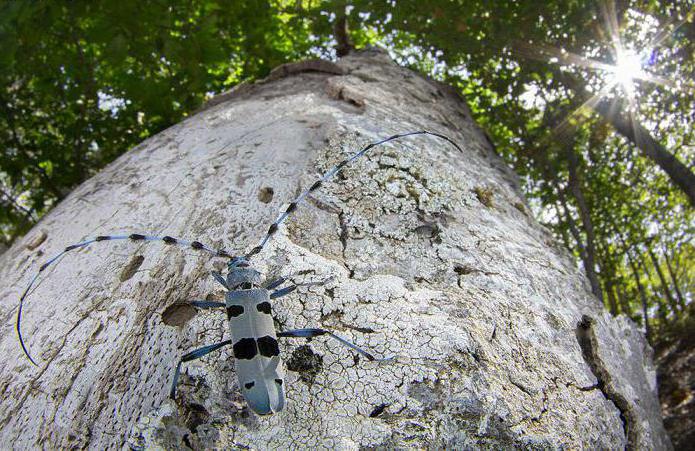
253,336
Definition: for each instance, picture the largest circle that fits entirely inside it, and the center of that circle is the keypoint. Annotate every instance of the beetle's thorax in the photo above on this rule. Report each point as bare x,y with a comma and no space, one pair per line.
243,278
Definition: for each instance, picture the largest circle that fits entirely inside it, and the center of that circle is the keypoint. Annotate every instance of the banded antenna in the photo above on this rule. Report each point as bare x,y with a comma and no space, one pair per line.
328,175
133,237
200,246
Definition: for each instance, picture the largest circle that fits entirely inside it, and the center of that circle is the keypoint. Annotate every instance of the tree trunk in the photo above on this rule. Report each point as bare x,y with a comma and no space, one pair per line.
681,299
583,254
499,343
679,173
625,306
612,302
664,285
575,186
642,294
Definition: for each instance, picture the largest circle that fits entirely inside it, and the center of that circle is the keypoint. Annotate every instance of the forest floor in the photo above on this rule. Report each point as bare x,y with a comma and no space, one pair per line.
675,357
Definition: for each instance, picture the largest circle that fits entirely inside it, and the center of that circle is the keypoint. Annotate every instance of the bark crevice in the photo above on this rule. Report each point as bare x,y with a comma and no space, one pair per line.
588,343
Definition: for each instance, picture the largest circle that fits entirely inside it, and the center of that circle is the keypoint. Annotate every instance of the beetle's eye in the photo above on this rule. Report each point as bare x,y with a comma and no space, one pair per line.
249,385
278,381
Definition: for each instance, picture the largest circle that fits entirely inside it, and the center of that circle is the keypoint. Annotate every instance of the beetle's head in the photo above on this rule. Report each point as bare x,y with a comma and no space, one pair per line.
238,262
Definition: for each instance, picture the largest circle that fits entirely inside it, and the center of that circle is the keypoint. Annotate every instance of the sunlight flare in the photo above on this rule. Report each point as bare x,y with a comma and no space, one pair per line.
627,69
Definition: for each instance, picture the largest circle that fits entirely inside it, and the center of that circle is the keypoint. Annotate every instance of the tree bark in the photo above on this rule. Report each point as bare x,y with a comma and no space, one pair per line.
498,342
679,173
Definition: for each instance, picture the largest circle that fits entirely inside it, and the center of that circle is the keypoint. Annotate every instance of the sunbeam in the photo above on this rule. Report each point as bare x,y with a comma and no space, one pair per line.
621,79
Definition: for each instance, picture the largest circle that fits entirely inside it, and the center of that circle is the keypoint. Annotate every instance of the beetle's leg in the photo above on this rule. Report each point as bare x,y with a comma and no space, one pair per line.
207,304
274,283
287,290
218,277
198,353
309,333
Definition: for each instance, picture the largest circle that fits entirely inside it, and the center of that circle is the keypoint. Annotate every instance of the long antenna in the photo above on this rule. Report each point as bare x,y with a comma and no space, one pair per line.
134,237
328,175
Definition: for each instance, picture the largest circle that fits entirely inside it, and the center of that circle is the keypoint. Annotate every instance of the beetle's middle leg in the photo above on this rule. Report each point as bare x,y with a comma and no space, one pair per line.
193,355
312,332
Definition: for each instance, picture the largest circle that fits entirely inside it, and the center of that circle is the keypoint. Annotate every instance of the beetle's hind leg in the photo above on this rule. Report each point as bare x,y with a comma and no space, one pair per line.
193,355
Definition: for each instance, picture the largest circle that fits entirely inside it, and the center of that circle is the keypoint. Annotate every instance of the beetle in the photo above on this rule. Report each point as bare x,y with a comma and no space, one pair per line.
248,305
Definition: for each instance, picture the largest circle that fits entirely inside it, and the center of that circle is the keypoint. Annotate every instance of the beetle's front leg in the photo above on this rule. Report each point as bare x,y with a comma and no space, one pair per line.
287,290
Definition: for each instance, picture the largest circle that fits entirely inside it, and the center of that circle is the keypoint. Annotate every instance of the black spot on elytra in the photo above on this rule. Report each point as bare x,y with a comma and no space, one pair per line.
234,311
245,349
132,267
264,307
254,251
268,346
249,385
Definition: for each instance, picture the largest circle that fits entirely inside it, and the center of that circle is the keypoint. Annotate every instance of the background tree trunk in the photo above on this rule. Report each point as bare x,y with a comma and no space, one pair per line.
500,342
677,171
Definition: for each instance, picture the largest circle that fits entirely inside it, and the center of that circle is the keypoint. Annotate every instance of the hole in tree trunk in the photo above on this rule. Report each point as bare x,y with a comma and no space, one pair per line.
265,195
178,314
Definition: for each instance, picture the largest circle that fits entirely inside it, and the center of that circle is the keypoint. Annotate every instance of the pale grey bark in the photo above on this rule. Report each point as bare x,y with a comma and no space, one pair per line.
499,340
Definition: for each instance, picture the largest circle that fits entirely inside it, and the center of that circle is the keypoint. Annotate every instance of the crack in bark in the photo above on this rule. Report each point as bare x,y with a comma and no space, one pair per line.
344,234
588,342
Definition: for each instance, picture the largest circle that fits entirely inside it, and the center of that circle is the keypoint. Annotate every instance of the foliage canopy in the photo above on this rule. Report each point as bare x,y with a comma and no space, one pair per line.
82,82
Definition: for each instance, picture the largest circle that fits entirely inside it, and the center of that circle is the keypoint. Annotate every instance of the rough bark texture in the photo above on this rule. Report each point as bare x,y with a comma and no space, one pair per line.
500,342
